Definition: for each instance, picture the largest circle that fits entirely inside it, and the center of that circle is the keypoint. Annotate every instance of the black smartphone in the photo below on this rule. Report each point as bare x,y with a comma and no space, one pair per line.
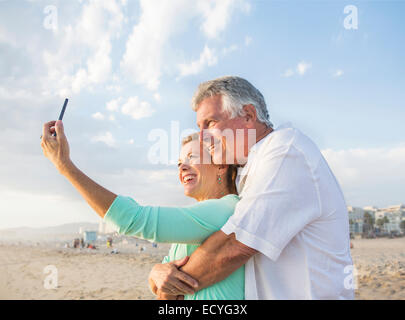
62,112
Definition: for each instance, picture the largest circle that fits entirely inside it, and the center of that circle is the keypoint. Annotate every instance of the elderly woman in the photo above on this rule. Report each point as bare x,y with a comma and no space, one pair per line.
213,186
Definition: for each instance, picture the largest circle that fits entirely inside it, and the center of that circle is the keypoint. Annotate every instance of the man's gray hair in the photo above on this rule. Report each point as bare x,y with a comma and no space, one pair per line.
236,92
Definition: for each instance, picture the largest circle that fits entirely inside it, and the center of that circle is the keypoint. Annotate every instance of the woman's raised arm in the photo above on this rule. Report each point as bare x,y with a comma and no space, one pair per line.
56,149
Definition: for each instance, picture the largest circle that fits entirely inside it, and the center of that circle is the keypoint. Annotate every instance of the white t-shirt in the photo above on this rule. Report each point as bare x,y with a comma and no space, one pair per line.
293,212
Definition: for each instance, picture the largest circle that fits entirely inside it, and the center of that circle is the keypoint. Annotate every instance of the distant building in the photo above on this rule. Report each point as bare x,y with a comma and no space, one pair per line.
356,219
89,236
394,215
355,213
397,208
371,210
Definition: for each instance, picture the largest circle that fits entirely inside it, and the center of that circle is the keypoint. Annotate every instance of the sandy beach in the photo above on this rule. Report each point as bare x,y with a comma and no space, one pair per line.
99,274
82,273
380,265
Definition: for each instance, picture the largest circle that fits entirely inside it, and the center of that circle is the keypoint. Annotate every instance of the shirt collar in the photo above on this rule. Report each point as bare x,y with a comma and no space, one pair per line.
255,148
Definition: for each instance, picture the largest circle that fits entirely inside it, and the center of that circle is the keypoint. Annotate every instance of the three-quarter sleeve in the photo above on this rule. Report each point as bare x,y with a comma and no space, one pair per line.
191,224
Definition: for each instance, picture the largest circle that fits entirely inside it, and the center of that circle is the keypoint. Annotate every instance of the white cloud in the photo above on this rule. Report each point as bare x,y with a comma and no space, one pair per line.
7,37
98,116
16,94
303,67
288,73
91,35
137,109
157,97
148,52
338,73
114,88
106,138
142,59
248,41
228,50
133,107
370,176
113,105
207,58
217,14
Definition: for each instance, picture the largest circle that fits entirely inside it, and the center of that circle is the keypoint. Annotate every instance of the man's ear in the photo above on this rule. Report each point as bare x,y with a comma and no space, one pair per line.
250,115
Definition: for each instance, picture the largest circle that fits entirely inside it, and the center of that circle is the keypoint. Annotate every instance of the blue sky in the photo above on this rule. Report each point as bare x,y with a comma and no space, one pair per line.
129,67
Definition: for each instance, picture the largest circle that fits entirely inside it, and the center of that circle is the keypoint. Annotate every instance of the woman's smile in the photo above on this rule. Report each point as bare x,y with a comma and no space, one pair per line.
189,178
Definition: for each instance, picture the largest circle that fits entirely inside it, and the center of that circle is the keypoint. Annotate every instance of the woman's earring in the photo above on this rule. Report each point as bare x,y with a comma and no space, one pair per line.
219,182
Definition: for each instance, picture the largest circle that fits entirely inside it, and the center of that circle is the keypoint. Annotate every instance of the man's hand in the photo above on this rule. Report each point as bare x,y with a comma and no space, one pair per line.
166,279
218,257
56,149
163,296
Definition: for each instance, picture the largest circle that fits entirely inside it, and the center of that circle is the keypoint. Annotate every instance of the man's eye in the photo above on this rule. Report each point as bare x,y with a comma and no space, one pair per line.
178,165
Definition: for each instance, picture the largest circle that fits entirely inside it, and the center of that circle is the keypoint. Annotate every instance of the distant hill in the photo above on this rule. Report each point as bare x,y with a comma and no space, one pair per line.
61,232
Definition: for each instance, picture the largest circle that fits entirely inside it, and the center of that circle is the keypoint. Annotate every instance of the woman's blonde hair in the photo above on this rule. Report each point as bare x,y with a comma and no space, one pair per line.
230,173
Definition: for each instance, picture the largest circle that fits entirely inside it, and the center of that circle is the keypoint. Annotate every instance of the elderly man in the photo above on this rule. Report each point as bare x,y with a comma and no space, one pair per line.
290,227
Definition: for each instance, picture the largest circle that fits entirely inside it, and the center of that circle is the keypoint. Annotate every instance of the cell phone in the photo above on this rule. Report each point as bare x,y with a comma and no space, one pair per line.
62,112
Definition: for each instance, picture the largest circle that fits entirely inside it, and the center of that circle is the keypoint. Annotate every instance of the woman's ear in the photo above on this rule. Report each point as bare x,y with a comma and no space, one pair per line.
222,168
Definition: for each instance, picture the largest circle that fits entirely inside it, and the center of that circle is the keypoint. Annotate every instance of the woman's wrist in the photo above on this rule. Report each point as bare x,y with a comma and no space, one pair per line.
67,167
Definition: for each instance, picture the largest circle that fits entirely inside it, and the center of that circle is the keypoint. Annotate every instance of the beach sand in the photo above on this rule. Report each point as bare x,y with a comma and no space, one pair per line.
380,265
82,273
98,274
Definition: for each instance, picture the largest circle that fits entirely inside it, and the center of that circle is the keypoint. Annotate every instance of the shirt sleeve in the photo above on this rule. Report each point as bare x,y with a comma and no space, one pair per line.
192,224
280,200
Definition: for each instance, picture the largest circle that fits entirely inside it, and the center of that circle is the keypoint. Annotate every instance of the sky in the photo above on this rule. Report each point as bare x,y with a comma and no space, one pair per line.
130,68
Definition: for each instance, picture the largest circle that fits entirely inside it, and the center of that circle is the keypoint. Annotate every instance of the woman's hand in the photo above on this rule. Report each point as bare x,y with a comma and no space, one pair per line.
166,279
56,149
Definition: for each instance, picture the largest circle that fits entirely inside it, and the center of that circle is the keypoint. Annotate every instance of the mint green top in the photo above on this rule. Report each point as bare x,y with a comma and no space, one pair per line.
185,227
